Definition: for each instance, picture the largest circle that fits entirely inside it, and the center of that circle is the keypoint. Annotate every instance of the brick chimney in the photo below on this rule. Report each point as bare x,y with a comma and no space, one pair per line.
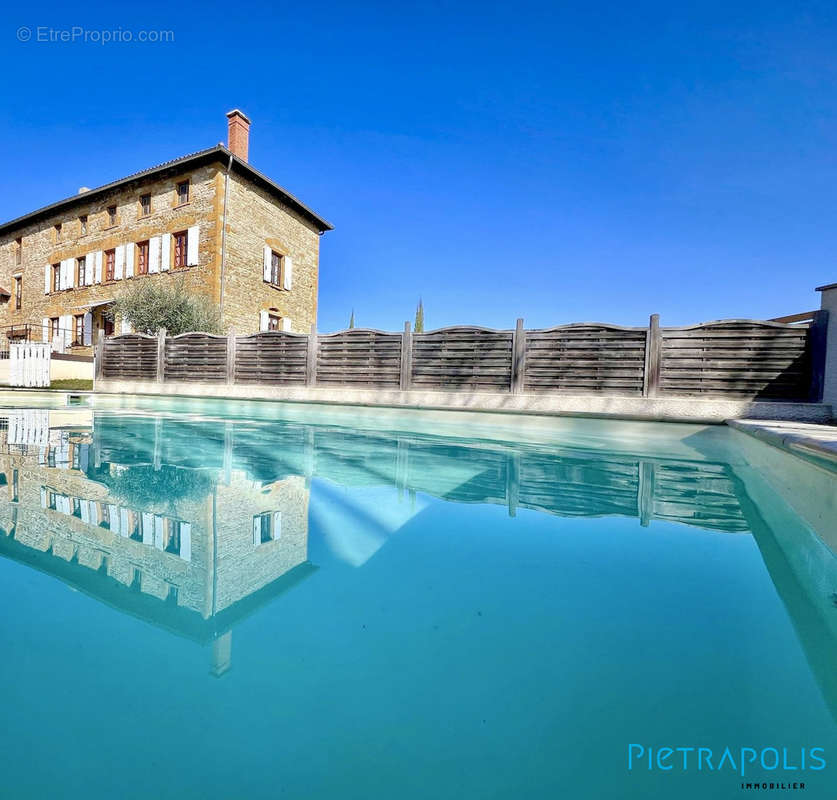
238,133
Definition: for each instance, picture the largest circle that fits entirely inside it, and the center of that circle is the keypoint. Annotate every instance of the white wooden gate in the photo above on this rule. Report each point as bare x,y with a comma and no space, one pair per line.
29,364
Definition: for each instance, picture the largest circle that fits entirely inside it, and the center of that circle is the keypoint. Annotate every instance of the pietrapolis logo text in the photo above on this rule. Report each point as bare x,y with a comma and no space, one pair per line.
741,760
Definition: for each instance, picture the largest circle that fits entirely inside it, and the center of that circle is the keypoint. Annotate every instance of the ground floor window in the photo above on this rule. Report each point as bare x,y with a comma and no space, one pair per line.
78,329
54,328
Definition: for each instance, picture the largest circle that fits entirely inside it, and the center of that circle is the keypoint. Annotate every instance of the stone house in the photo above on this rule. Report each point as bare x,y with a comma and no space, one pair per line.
208,219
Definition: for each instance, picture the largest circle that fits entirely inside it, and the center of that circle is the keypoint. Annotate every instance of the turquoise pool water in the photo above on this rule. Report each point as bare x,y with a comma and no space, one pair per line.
210,601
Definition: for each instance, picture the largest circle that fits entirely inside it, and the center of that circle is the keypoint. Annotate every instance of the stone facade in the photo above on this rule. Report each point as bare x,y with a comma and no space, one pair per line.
256,218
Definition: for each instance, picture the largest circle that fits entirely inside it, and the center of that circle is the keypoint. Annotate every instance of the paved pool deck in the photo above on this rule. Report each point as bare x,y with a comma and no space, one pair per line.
812,441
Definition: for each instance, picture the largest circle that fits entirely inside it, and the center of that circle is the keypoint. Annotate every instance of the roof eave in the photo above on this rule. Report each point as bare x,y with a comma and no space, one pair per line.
217,153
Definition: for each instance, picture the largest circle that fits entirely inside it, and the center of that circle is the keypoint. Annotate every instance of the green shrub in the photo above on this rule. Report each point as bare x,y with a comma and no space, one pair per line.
149,306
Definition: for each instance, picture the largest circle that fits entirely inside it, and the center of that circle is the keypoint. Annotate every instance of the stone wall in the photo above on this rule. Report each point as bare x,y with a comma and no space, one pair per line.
42,246
255,220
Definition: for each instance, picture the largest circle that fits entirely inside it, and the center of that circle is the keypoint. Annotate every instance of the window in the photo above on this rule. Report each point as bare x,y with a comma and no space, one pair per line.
55,331
182,193
145,205
180,246
82,221
274,322
78,329
107,324
57,231
276,268
142,258
110,264
111,216
82,271
261,528
19,250
56,277
18,292
171,542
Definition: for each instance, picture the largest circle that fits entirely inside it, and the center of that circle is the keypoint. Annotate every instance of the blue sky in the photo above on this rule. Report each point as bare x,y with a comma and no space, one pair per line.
558,161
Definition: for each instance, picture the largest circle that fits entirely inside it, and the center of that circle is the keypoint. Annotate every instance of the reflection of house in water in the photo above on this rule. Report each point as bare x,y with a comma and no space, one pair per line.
192,523
190,550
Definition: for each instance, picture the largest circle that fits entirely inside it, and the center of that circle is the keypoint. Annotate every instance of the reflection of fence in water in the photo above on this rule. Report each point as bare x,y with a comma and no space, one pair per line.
564,481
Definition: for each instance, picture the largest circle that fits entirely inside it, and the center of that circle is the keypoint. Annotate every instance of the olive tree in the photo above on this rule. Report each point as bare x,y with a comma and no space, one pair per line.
150,306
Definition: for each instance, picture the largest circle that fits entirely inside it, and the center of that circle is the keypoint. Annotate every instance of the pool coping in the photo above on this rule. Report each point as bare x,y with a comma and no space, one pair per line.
659,409
810,441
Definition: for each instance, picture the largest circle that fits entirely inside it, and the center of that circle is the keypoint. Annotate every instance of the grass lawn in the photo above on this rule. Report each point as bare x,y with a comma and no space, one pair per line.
72,383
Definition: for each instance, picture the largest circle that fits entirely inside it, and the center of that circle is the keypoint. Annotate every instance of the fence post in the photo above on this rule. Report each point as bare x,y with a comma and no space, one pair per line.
406,357
99,355
817,335
161,355
311,359
231,341
518,366
653,358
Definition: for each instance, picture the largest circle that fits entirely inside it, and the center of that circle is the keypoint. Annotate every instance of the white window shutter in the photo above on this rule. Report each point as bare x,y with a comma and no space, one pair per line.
288,277
45,334
97,270
88,329
165,252
192,246
257,531
119,262
66,324
62,271
129,260
186,541
277,524
89,268
47,278
71,273
286,323
264,320
268,254
154,254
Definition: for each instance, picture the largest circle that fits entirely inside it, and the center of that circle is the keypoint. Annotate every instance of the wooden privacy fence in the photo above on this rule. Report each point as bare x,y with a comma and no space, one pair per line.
728,358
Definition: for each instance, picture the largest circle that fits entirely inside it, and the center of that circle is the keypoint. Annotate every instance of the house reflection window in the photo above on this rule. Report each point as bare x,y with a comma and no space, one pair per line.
267,527
172,540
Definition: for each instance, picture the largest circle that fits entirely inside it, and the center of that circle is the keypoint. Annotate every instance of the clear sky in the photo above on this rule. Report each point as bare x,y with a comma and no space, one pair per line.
557,161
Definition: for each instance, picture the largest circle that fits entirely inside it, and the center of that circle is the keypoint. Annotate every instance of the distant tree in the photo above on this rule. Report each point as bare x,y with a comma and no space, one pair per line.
352,320
149,306
419,326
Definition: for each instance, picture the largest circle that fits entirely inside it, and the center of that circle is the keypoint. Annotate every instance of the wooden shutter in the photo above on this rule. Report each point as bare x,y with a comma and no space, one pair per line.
186,541
268,254
118,262
88,329
98,269
165,252
47,278
288,277
45,333
257,531
192,246
154,254
277,524
89,268
129,260
286,323
264,321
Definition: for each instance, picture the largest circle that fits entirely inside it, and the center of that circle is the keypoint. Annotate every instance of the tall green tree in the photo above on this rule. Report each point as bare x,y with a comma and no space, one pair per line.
352,320
419,326
150,306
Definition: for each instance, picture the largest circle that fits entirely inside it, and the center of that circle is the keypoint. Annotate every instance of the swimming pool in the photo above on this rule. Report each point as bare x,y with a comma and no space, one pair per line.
218,600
